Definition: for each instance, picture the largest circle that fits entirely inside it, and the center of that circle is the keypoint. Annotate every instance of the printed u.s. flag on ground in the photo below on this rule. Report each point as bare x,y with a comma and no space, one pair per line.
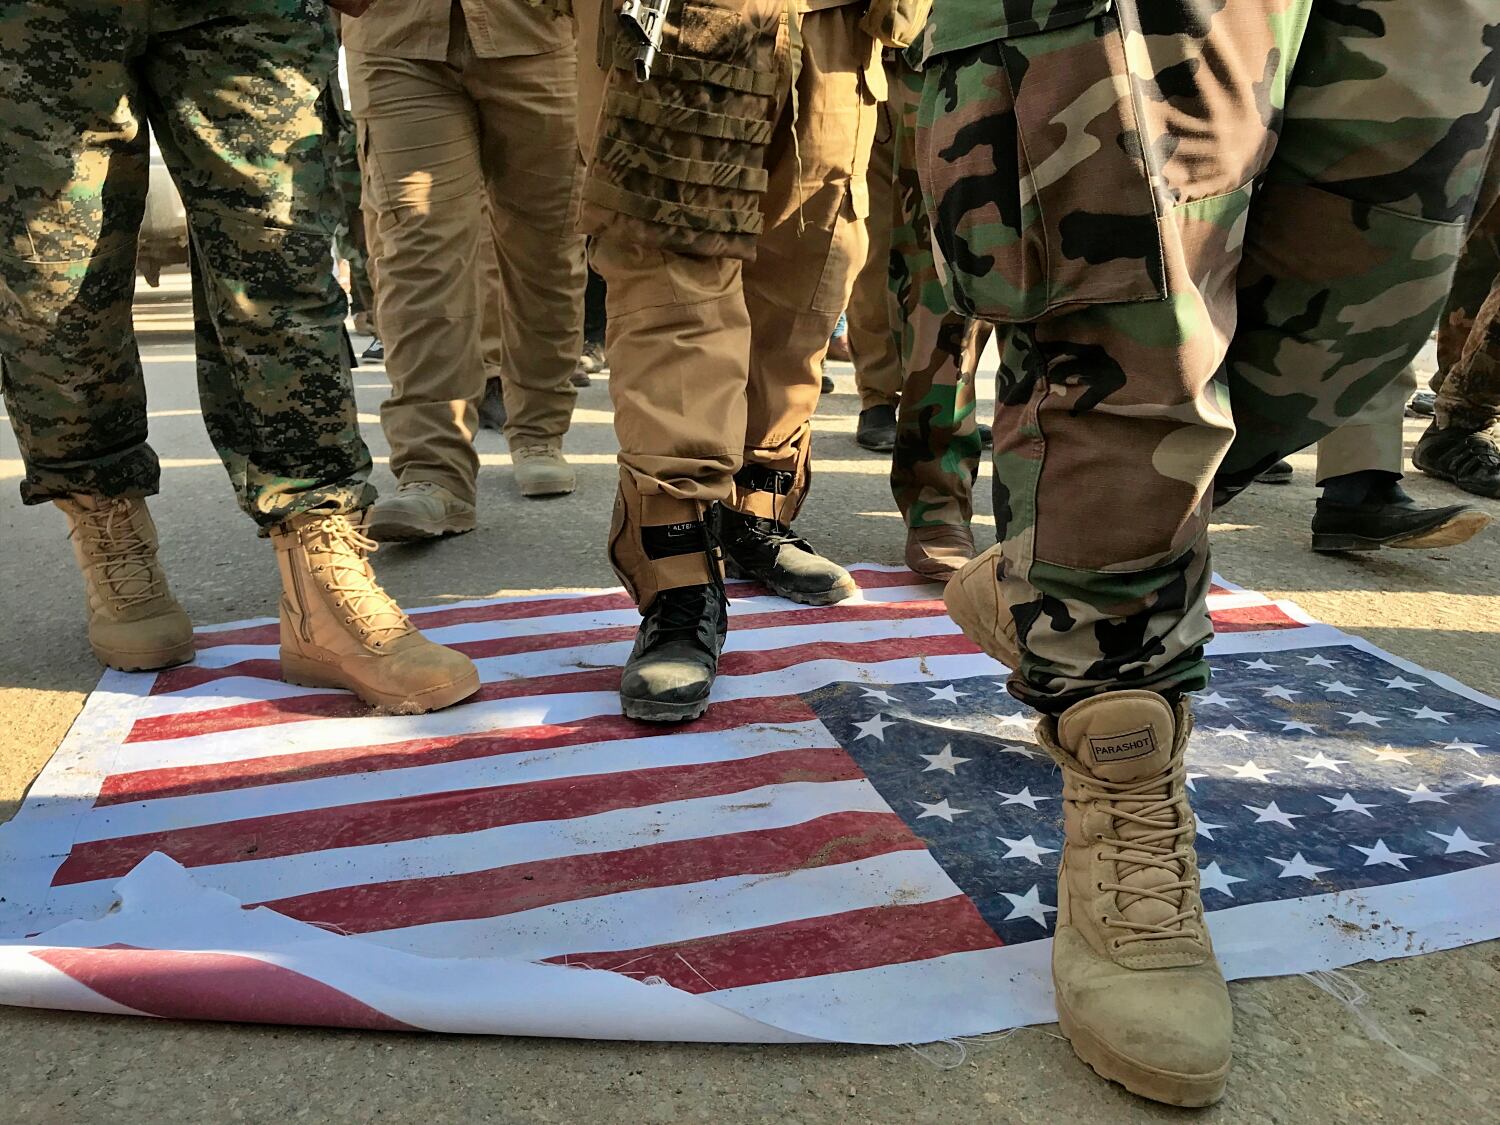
858,841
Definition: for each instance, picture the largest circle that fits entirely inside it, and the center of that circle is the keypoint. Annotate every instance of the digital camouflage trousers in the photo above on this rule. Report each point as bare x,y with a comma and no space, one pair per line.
231,93
1211,229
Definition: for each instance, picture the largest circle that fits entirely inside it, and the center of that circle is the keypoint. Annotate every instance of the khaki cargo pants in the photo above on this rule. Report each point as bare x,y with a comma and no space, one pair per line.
716,336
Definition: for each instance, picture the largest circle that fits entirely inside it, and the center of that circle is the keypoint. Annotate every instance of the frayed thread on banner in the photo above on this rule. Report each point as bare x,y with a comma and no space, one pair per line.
949,1054
1347,991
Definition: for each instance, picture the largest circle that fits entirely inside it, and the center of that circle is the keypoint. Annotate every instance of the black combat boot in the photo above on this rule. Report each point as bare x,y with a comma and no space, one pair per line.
1470,460
769,552
676,655
876,430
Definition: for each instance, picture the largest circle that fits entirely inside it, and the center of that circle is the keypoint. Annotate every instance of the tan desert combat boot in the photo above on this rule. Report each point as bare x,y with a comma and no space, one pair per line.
135,624
1139,992
939,552
421,509
541,469
973,600
340,629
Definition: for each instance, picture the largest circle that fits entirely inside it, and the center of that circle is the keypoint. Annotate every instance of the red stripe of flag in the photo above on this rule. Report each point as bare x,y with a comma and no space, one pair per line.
543,607
189,676
189,985
275,769
1253,618
297,708
834,943
450,813
827,840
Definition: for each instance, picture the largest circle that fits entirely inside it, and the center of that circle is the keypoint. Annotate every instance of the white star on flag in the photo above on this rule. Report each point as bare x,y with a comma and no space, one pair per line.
1400,683
1213,878
1025,848
1192,777
1338,687
1422,795
1019,719
1487,780
1024,797
1030,906
1016,748
882,696
1382,854
1322,761
1214,700
1319,661
1459,842
1389,754
872,728
1273,815
1288,727
1425,712
1258,665
944,759
941,809
1347,803
1467,747
1297,867
1205,828
948,694
1280,691
1232,731
1357,718
1249,771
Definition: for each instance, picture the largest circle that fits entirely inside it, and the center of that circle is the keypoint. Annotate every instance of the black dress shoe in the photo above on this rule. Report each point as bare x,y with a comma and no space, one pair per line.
877,429
1279,473
376,351
1423,404
1369,527
827,383
1469,460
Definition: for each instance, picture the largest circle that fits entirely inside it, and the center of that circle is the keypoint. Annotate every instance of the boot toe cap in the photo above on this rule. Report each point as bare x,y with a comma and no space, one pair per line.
153,642
667,681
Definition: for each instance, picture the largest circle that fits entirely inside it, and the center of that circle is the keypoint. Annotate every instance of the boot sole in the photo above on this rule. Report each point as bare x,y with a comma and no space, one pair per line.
1460,529
1192,1090
652,711
832,596
966,616
876,446
305,672
392,530
537,491
146,661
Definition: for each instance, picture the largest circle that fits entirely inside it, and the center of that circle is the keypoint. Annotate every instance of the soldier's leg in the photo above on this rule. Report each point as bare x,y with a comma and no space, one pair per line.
528,109
1460,446
872,342
75,158
74,155
234,100
814,240
1363,506
1351,247
937,440
424,187
673,213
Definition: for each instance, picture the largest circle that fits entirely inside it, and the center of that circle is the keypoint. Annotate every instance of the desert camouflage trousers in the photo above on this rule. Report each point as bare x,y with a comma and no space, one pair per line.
231,93
726,199
1213,230
1468,375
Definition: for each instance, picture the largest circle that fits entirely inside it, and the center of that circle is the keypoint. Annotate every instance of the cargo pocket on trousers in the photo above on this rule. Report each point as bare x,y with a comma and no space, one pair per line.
1032,170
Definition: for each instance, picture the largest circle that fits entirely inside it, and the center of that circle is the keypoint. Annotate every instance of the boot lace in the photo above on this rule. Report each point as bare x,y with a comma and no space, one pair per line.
126,559
1159,830
341,550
